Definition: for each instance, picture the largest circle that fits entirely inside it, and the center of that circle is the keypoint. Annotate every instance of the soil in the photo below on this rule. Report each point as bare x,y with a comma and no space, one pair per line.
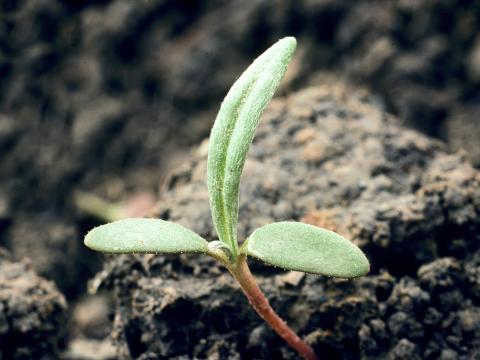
105,97
33,313
101,95
327,156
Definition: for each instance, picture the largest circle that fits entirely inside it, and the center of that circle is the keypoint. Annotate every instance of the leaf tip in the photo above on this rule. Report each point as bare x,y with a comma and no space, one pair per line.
362,266
89,240
291,41
288,45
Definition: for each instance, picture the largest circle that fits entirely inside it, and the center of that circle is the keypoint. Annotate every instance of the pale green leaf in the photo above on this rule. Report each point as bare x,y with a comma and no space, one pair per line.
233,133
140,235
307,248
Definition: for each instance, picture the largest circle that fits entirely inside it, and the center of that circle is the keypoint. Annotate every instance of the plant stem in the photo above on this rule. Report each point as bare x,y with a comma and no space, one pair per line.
257,299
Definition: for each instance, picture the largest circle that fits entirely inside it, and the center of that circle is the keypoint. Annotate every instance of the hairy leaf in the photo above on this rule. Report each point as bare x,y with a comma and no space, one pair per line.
233,133
307,248
140,235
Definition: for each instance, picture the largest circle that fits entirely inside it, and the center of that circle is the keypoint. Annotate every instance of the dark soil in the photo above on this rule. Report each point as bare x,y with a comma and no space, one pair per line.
33,313
327,156
106,96
98,95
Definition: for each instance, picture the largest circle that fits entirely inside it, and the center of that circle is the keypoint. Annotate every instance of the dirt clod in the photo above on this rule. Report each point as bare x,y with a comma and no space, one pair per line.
394,192
32,314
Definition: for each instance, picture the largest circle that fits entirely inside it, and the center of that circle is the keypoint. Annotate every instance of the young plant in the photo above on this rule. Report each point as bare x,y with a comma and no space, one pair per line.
289,245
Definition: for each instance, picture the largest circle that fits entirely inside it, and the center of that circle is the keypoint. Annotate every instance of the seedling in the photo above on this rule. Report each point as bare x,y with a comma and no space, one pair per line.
288,245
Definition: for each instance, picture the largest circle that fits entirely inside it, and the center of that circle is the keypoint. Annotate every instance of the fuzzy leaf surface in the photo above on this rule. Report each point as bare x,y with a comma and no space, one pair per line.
307,248
141,235
233,132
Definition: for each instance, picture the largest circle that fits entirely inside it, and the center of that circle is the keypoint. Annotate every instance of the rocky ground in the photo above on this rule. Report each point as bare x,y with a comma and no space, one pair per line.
105,97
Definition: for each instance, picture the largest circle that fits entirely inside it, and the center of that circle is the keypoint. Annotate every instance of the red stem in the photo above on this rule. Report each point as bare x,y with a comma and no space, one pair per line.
261,305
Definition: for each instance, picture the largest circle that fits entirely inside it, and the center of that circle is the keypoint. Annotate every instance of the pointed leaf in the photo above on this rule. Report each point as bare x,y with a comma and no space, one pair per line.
139,235
233,132
307,248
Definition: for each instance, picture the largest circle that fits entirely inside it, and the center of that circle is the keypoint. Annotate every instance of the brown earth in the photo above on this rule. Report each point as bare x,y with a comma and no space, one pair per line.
326,155
33,313
100,95
106,96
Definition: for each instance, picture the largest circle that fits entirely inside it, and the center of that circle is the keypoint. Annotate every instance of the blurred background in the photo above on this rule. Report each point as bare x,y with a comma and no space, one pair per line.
101,98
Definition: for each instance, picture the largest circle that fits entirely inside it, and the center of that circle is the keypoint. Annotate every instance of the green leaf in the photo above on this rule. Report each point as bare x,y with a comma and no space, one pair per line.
233,133
139,235
307,248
